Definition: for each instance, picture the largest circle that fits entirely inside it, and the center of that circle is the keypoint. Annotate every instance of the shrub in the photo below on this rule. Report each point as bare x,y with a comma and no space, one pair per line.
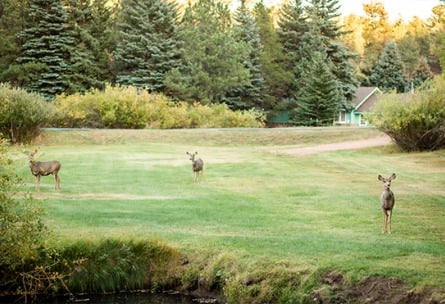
116,107
128,107
22,114
414,122
22,231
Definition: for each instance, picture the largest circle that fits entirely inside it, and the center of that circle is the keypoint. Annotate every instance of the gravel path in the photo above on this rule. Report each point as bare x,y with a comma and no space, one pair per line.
346,145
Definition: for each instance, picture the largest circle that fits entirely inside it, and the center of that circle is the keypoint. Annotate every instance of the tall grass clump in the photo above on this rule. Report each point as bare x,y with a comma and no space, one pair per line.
132,108
114,265
22,114
416,122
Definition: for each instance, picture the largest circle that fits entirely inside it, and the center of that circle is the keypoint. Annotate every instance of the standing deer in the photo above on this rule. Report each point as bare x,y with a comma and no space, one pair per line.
387,200
39,169
197,165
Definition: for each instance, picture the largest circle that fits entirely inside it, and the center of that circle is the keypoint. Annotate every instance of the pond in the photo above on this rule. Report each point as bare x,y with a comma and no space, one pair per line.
124,298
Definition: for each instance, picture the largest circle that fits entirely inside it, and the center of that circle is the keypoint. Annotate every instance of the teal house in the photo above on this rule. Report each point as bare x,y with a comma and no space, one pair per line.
365,98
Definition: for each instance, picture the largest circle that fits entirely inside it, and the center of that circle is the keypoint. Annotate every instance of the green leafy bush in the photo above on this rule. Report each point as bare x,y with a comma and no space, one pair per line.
128,107
22,231
116,107
416,122
22,114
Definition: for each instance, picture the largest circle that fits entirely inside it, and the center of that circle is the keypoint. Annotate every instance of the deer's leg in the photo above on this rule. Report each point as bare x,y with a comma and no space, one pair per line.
38,183
389,220
384,221
56,181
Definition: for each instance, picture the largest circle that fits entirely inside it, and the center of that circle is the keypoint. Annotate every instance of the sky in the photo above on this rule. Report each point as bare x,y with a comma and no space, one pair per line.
405,9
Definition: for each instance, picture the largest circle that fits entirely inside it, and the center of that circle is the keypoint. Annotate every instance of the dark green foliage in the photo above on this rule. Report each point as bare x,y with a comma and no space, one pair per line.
22,114
276,79
324,77
249,95
45,39
11,23
317,93
90,27
292,25
417,122
388,74
214,56
148,45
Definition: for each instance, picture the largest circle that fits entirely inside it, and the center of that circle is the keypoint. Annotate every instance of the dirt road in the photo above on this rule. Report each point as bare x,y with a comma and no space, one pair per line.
347,145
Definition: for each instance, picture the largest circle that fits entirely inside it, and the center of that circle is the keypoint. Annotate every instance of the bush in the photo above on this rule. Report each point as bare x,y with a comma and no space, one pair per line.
116,107
414,122
22,114
128,107
22,231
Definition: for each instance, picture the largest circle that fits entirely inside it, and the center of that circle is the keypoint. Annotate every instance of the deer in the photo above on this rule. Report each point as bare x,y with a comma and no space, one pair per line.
387,200
197,165
39,169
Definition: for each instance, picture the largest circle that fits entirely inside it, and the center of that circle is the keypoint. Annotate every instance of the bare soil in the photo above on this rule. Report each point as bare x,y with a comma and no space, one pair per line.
373,289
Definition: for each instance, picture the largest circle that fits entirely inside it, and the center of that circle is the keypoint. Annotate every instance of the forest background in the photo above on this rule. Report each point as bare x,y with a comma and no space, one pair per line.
301,58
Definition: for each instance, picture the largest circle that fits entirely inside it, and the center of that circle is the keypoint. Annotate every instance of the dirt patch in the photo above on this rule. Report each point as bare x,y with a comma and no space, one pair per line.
346,145
372,289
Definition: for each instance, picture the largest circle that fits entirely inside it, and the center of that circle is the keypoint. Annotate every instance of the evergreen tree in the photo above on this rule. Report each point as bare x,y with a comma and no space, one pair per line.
318,95
46,40
421,73
148,46
292,25
388,74
277,80
90,24
213,55
249,95
11,23
323,15
344,70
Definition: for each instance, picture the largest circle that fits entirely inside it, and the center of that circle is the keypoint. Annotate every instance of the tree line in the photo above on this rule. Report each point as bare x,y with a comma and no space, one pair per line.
302,59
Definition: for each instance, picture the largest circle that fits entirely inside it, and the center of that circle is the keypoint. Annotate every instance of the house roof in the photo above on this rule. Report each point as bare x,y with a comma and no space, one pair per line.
365,98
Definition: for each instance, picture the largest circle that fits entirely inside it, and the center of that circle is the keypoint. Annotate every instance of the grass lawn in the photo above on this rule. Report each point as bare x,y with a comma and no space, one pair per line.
318,211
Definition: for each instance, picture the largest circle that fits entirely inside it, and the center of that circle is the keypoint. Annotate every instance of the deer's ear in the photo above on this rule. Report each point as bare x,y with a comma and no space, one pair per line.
393,176
380,177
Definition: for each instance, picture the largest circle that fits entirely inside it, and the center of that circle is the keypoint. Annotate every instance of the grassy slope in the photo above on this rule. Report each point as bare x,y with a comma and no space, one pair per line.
315,212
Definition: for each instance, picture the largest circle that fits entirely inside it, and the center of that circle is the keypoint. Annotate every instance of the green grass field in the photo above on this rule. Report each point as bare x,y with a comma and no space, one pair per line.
265,207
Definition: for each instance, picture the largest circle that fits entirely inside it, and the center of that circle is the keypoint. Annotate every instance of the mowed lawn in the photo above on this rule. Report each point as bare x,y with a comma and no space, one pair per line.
265,207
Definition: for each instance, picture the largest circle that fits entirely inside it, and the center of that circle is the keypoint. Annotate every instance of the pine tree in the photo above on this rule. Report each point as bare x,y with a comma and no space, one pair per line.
148,46
388,74
318,94
292,25
248,96
11,23
421,73
213,55
277,80
90,24
46,40
323,15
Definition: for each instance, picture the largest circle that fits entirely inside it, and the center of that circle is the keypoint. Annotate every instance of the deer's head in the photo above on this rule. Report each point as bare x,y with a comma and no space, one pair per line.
192,155
387,181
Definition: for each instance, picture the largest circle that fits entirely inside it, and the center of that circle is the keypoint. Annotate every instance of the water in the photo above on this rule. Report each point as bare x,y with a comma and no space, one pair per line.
124,298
